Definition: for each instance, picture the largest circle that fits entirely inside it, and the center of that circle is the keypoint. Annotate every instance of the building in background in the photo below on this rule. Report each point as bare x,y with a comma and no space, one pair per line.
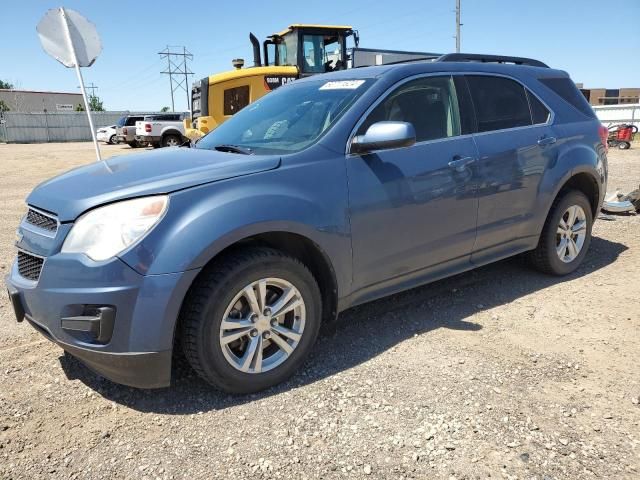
610,96
28,101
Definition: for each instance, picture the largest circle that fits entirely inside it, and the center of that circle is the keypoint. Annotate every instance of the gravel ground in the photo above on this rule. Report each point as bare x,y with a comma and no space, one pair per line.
500,372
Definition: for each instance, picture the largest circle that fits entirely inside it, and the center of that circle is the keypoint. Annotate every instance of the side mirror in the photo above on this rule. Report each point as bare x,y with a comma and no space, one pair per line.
383,136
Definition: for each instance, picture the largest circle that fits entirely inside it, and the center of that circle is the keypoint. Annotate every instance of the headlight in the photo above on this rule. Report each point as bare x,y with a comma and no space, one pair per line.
106,231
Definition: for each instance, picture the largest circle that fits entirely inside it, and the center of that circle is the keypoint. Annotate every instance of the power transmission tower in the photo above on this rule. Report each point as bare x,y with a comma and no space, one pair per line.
458,26
176,68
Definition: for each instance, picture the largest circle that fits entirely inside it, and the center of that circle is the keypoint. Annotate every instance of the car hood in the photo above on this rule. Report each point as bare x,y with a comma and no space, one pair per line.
136,175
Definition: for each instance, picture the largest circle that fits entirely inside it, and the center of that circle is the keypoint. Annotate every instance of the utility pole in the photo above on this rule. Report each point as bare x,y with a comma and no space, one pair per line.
458,26
93,87
176,67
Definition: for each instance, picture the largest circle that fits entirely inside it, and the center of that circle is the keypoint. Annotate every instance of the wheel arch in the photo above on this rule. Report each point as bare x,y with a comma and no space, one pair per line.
294,244
171,131
586,183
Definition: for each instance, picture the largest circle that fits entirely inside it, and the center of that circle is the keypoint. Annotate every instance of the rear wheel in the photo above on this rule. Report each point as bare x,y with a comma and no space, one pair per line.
624,145
566,235
250,320
113,140
171,141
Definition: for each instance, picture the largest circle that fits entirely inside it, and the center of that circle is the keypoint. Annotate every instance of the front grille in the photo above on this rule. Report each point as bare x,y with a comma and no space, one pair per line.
29,266
42,221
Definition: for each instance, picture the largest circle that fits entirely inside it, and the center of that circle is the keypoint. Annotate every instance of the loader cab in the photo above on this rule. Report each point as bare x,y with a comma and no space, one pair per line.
299,51
312,49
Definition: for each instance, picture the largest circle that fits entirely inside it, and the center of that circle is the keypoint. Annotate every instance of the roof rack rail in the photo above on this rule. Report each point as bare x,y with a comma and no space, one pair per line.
478,57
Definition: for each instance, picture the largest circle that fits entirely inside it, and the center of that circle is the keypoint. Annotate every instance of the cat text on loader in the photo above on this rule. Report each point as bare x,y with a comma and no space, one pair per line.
298,51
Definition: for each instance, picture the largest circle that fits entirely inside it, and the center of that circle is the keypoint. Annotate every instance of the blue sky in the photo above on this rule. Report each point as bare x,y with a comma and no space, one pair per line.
580,36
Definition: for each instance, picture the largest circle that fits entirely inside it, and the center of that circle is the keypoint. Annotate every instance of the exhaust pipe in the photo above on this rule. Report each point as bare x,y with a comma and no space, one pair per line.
257,62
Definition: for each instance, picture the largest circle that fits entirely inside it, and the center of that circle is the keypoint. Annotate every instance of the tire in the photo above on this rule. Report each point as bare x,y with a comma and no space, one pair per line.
215,296
547,255
624,145
171,141
113,140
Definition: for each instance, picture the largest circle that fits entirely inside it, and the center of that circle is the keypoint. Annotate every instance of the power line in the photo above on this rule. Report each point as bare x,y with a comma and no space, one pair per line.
458,26
176,67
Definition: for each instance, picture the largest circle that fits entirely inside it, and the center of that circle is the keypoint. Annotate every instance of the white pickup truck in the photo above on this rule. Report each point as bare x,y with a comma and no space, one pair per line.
162,130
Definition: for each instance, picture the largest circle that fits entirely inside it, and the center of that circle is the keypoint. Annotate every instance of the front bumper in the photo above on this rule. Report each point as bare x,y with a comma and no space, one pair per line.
137,349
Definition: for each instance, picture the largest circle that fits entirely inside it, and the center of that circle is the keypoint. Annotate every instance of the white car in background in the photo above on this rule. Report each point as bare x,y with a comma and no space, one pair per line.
107,134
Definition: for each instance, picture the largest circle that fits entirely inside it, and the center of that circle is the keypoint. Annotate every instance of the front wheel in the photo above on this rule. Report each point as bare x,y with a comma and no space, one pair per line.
624,145
566,235
250,320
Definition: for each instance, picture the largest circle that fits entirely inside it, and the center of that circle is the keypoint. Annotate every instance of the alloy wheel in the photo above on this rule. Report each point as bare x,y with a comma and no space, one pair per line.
262,325
571,233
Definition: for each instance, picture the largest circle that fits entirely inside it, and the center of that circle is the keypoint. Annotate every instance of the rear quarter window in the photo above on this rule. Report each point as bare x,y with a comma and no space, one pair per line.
566,89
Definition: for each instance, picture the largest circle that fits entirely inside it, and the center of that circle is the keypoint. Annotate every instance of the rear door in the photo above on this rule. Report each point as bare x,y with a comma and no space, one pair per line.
413,208
516,143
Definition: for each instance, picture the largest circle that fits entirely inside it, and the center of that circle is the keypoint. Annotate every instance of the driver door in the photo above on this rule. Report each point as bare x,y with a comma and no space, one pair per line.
414,209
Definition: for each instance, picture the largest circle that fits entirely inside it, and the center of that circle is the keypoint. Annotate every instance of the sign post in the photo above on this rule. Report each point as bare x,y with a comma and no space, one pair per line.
72,40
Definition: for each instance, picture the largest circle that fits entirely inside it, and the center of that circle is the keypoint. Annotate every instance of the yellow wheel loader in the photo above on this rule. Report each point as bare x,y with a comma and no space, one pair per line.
298,51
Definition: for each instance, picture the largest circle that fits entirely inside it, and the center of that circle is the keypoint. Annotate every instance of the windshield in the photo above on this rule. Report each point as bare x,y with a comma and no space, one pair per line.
289,119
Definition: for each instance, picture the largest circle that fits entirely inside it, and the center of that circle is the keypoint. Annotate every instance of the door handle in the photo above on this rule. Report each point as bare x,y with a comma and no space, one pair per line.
459,164
544,141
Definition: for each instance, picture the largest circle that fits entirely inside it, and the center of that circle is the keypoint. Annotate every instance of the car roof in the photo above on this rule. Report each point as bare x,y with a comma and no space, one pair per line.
401,70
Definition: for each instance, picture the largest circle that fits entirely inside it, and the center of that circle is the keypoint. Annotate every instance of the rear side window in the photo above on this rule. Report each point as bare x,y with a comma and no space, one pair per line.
499,103
566,89
235,99
132,121
539,112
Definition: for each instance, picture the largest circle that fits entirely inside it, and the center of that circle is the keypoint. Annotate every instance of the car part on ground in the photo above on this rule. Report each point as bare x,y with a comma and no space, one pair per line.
618,202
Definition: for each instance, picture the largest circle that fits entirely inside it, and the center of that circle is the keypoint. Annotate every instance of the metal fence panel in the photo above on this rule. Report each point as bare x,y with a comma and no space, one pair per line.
54,127
612,114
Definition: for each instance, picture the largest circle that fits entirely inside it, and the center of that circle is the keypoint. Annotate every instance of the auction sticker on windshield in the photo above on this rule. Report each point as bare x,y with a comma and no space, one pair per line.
342,85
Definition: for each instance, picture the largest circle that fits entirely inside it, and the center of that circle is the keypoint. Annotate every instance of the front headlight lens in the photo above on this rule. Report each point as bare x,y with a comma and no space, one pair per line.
106,231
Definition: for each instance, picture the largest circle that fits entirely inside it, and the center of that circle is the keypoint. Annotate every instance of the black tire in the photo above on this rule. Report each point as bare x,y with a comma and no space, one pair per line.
544,257
113,140
171,140
204,307
624,145
133,144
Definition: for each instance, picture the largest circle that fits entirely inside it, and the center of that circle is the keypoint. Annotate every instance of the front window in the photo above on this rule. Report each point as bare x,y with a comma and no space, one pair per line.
321,53
289,119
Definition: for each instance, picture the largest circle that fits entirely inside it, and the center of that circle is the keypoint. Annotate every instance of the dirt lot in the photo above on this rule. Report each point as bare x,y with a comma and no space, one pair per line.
500,372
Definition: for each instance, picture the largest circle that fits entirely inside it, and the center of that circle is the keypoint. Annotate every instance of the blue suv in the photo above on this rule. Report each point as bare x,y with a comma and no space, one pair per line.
332,191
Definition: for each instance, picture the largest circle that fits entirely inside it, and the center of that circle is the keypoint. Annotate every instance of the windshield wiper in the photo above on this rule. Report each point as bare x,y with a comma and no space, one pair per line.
234,149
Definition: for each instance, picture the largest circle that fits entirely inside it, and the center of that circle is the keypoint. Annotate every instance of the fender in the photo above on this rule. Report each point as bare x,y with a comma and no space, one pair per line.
170,131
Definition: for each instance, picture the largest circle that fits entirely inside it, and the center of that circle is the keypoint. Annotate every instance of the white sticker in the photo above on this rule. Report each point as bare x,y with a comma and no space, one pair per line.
342,85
